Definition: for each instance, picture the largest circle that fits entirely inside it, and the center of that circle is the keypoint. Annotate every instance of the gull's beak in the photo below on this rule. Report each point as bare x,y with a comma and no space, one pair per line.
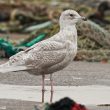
84,18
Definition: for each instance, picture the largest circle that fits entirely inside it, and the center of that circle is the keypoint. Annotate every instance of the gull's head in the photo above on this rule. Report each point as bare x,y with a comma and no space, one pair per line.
70,17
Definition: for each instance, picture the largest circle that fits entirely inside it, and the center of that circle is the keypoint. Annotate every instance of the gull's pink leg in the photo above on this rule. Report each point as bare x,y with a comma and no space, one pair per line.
43,87
51,82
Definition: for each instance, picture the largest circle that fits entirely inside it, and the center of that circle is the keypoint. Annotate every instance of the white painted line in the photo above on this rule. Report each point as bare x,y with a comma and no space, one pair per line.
47,79
2,107
76,77
83,94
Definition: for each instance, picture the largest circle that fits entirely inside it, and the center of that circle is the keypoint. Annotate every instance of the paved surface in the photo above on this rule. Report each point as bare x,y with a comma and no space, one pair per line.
77,74
24,105
87,95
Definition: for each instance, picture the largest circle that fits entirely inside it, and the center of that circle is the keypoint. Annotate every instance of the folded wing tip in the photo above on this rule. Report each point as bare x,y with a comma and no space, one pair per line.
15,69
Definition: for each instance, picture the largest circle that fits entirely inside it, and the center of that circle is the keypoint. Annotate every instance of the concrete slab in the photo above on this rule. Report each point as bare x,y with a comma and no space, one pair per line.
88,95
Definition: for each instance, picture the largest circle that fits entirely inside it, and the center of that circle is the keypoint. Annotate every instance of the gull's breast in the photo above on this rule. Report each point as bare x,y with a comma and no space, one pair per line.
72,50
70,54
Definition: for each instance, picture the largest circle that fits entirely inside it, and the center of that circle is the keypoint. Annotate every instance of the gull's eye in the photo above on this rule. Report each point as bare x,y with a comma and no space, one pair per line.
71,15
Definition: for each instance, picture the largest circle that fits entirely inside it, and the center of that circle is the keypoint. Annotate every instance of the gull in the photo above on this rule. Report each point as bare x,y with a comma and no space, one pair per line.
50,55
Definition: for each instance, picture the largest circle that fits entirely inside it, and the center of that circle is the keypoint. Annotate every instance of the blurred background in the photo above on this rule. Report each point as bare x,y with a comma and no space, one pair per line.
26,22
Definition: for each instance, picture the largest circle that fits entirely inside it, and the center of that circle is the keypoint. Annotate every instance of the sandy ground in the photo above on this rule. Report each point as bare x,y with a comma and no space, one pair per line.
77,74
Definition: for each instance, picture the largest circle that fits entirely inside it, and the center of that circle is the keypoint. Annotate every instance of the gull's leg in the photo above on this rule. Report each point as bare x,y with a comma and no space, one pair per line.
43,87
51,83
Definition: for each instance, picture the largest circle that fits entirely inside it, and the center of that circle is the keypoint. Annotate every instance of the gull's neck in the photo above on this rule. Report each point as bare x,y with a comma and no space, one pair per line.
70,33
68,28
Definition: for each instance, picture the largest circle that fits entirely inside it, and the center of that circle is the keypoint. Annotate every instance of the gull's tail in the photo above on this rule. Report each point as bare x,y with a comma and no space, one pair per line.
5,68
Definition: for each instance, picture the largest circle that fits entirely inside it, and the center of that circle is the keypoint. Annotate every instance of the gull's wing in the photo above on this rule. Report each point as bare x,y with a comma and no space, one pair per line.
43,54
47,53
